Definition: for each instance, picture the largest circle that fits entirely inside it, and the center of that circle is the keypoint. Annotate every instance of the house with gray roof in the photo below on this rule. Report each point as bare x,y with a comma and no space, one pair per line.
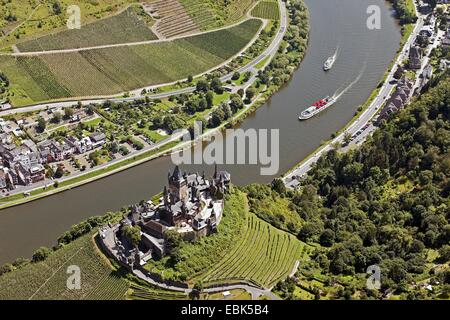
398,99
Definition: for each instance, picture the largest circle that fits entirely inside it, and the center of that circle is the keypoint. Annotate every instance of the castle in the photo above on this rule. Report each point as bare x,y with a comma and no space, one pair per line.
191,205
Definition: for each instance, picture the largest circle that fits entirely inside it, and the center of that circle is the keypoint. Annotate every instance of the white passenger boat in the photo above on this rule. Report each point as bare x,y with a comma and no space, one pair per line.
317,107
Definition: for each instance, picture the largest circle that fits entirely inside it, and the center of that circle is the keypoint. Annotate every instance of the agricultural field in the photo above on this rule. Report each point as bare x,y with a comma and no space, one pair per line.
128,26
23,20
202,14
238,9
267,9
209,14
181,17
173,18
48,279
113,70
264,256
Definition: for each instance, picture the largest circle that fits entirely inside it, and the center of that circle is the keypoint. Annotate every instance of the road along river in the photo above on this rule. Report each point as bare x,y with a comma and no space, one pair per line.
364,56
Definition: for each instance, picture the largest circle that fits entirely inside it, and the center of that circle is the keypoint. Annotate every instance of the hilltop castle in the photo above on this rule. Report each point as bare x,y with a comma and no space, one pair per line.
191,205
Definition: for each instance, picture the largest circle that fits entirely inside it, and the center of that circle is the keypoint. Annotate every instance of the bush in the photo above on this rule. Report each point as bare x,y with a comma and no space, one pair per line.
8,267
41,254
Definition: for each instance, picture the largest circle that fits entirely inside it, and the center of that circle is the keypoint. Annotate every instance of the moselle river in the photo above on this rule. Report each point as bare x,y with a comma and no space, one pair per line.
363,57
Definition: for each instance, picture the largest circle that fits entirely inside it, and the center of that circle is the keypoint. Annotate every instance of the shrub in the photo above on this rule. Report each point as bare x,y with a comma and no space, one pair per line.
41,254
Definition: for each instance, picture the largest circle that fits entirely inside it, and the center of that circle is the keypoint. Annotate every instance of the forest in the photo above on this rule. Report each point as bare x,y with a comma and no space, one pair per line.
405,10
385,203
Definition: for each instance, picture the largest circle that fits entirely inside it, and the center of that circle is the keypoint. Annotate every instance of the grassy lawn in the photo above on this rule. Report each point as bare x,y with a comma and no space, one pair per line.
236,294
261,64
94,122
219,98
406,31
153,135
240,295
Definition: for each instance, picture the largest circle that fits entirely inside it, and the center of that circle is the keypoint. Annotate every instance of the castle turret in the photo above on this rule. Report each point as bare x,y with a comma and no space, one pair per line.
165,197
178,187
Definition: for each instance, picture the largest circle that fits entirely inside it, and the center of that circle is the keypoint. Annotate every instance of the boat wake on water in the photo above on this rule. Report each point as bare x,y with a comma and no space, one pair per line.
324,104
339,93
331,60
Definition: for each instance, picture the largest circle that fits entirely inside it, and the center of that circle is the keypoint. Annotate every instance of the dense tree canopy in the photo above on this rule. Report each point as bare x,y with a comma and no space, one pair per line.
385,203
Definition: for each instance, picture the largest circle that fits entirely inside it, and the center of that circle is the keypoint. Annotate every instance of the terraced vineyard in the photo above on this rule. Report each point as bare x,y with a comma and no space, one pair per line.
264,256
177,18
267,9
127,26
112,70
48,279
201,13
238,9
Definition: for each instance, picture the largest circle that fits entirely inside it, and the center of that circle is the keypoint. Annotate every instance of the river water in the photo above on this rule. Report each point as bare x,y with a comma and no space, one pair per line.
363,57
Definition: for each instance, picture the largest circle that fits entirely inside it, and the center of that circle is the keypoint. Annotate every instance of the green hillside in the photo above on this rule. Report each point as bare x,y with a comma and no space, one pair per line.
128,26
113,70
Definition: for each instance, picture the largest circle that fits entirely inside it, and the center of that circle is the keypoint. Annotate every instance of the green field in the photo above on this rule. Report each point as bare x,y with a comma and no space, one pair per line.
114,70
267,10
200,13
124,27
212,13
237,9
263,255
23,20
48,279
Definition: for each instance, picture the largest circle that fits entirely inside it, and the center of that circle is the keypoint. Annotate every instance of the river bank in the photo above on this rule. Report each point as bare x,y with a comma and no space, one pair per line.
173,144
43,220
366,112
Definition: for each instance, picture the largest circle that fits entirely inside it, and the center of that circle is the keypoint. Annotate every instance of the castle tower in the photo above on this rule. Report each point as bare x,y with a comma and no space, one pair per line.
178,188
165,197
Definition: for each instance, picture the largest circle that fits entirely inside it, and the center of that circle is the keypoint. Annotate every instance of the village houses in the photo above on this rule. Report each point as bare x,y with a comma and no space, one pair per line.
23,163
